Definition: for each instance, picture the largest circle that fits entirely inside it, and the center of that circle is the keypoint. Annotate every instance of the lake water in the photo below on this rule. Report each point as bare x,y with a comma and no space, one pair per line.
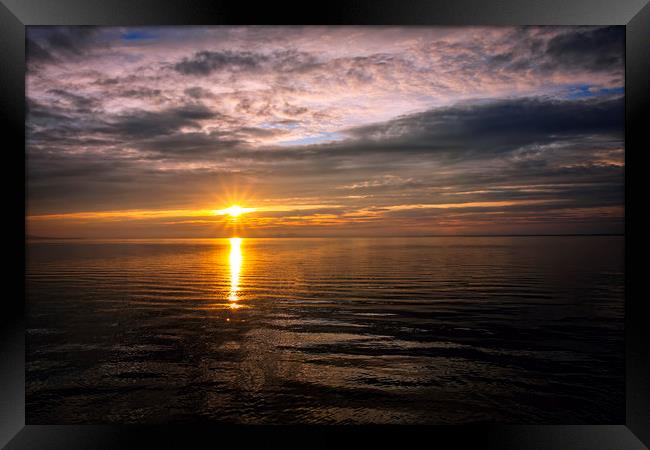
384,330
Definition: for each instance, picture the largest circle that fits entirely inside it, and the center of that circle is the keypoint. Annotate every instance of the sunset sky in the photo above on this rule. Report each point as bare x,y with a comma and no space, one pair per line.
343,131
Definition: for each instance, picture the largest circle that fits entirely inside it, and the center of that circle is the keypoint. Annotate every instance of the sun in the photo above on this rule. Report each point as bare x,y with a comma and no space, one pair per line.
234,211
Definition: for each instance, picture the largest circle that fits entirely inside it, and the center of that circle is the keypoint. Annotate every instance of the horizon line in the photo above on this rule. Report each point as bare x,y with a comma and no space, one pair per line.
27,237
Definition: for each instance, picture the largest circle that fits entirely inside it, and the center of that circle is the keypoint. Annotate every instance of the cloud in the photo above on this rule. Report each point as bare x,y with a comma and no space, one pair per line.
286,61
493,126
359,120
79,103
206,62
35,52
48,44
140,123
599,49
561,53
527,137
197,92
140,92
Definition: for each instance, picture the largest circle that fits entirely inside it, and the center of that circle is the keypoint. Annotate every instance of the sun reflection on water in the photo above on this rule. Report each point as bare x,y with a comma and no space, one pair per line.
235,270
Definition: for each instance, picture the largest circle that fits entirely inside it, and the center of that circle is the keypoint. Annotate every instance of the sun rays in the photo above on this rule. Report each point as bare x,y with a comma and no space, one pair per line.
233,211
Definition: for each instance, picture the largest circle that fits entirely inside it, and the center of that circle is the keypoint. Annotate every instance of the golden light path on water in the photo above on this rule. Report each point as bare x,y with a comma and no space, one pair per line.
235,270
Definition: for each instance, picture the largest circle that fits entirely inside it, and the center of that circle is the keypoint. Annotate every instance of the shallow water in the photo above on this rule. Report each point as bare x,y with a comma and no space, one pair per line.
385,330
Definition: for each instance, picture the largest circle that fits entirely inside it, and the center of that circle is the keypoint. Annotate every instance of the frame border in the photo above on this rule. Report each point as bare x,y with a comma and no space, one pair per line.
634,14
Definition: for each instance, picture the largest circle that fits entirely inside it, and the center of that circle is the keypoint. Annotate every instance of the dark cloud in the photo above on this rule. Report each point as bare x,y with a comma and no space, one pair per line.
47,44
586,49
288,61
282,62
36,53
522,128
190,147
493,127
39,112
600,49
198,93
78,103
206,62
140,123
140,92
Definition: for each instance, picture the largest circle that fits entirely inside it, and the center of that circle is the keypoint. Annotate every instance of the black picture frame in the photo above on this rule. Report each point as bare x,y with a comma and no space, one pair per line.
634,14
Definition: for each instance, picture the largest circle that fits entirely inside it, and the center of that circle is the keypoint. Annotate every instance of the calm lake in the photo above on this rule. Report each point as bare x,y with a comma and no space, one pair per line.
350,330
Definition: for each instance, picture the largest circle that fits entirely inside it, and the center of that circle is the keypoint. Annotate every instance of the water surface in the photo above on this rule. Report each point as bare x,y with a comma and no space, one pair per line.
384,330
